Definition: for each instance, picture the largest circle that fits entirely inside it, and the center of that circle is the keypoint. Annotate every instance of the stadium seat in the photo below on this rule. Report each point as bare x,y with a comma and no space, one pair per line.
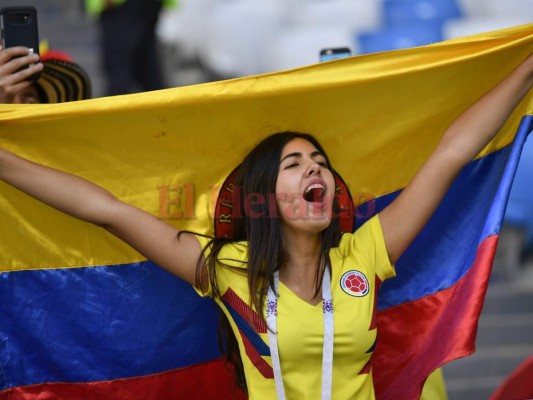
235,35
471,26
299,46
357,15
501,8
403,12
472,8
181,26
399,38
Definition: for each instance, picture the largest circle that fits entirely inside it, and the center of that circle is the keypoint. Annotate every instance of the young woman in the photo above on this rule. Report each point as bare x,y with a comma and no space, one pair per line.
275,272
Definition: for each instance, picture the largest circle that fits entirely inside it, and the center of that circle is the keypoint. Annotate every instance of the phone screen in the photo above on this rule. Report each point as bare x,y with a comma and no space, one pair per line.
334,53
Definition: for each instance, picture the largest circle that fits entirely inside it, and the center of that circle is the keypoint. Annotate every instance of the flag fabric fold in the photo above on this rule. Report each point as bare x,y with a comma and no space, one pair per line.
83,314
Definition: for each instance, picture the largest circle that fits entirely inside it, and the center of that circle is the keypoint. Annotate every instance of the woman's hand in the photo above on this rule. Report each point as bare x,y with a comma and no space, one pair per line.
13,81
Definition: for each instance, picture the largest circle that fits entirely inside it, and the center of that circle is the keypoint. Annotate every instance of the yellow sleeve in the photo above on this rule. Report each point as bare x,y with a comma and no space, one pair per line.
371,243
232,255
206,251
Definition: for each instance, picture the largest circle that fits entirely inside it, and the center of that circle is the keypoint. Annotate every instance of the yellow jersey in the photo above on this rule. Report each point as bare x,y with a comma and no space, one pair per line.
358,266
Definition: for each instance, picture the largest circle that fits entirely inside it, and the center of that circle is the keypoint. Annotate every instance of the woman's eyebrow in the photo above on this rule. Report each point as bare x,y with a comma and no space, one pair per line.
317,154
298,154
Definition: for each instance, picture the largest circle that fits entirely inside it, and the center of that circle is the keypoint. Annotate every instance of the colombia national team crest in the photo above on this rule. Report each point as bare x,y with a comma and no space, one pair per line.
355,283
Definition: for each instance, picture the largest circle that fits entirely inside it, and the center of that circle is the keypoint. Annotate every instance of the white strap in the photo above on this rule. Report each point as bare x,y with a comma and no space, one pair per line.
271,314
327,352
327,355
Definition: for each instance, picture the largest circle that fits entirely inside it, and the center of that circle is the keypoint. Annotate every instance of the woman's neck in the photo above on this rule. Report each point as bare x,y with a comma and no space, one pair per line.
299,272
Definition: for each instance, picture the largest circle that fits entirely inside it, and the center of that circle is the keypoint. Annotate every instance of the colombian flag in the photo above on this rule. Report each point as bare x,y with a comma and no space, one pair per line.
83,316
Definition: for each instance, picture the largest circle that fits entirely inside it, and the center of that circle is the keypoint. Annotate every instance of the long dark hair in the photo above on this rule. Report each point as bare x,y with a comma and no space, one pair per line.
258,175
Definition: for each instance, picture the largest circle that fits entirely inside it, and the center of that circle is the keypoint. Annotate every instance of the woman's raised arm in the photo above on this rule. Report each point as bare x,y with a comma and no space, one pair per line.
405,217
82,199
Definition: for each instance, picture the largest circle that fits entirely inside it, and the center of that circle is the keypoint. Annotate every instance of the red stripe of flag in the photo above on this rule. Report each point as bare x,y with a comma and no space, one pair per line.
210,380
456,331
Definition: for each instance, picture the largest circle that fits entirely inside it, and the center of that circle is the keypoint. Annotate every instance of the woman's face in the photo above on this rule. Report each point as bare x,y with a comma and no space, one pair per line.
28,95
305,188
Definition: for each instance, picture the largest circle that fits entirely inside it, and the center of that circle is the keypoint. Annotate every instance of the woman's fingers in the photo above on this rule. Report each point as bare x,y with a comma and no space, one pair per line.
17,65
15,58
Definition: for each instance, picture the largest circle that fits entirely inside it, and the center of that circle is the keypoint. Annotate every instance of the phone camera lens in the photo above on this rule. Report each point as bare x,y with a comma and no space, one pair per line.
19,18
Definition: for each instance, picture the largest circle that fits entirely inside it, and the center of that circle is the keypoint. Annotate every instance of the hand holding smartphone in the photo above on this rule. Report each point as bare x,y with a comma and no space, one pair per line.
18,27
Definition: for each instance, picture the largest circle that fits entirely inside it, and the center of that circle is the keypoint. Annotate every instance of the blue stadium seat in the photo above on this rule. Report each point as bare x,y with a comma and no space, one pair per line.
402,12
399,38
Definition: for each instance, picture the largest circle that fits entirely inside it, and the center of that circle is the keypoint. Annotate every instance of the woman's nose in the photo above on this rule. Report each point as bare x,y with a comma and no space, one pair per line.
314,168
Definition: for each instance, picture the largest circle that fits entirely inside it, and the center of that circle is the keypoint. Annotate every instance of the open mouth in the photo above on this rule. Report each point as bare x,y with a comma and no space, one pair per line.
315,193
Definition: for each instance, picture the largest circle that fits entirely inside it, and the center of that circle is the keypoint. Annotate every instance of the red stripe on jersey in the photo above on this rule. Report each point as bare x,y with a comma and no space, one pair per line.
245,311
366,369
259,362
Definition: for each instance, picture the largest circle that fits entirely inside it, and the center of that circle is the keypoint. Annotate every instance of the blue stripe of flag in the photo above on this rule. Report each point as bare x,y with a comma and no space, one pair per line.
101,323
471,211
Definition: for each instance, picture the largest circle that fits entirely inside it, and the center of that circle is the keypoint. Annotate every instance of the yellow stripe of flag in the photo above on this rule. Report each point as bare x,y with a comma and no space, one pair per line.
379,116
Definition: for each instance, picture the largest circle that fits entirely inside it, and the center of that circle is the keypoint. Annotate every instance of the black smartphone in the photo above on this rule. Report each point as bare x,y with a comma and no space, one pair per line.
334,52
19,28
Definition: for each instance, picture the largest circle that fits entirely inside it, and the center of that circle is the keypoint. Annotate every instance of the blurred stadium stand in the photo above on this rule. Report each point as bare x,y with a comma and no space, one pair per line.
405,12
218,39
469,26
400,37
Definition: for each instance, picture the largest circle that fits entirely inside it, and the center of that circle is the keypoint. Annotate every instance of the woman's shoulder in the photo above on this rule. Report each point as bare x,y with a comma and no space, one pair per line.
368,230
367,244
234,253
